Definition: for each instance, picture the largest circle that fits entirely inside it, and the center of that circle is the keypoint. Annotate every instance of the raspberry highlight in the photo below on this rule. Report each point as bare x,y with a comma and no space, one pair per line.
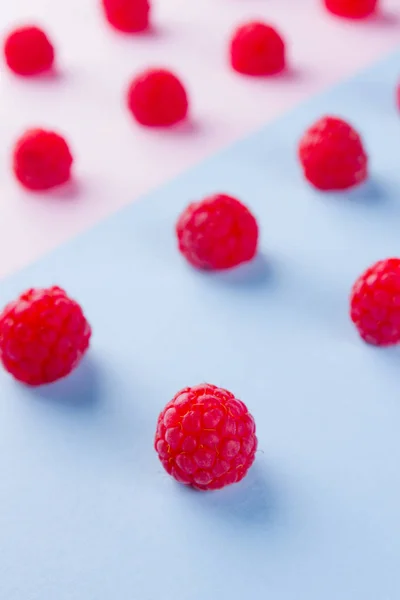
257,49
206,438
375,303
28,51
157,98
352,9
332,155
43,336
128,16
42,160
217,233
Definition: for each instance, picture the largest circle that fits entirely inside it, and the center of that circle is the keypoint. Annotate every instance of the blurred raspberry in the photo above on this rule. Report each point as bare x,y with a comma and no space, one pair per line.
375,303
206,438
157,98
352,9
332,155
42,160
217,233
43,336
257,49
28,51
128,16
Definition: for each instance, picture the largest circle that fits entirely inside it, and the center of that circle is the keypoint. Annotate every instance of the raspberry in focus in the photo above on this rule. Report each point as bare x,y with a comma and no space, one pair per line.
43,336
42,160
257,49
206,438
217,233
128,16
28,51
157,98
352,9
332,155
375,303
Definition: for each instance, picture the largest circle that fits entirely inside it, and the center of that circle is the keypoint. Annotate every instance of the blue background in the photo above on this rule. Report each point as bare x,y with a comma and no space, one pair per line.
87,512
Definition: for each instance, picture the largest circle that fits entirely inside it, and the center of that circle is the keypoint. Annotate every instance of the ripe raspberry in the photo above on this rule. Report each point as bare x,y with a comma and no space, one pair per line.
28,51
217,233
332,155
42,160
157,98
43,336
352,9
206,438
375,303
129,16
257,49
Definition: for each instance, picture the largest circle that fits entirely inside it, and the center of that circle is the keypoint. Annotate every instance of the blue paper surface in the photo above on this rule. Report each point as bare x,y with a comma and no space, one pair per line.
86,510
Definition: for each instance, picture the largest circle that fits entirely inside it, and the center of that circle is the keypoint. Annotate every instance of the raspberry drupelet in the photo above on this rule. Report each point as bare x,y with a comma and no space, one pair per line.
375,303
43,336
128,16
206,438
42,160
157,98
257,49
332,155
217,233
28,51
352,9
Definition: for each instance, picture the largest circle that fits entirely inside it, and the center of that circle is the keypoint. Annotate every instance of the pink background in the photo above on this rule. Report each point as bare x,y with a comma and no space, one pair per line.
116,161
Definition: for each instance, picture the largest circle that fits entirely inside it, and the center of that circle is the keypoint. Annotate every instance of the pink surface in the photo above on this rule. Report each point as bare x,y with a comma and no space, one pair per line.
116,161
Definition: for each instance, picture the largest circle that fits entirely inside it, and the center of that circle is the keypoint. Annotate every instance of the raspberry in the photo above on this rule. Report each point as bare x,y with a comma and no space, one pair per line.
257,49
43,336
398,96
352,9
217,233
28,51
157,98
129,16
206,438
42,160
332,155
375,303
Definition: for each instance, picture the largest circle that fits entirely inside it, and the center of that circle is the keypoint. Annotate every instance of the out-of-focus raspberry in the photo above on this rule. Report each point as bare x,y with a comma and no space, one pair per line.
217,233
42,160
257,49
332,155
128,16
352,9
157,98
375,303
28,51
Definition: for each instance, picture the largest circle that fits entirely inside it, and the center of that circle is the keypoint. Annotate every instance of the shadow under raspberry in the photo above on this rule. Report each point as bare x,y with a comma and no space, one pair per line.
80,390
259,272
254,501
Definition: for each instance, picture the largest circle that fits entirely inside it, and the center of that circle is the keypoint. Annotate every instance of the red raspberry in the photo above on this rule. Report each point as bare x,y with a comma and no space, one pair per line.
42,160
257,49
28,51
217,233
332,155
352,9
43,336
157,98
129,16
375,303
206,438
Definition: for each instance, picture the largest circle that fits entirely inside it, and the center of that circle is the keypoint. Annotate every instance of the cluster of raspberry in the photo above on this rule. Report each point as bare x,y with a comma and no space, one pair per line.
205,437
